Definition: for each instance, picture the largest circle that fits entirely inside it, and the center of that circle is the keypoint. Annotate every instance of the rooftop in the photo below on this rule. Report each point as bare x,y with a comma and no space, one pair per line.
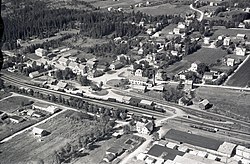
146,102
193,139
158,150
227,148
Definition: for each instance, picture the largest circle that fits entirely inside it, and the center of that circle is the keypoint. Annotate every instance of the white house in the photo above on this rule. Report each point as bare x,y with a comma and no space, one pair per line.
140,51
63,61
137,80
144,128
241,36
39,132
240,51
194,66
230,62
227,41
45,107
41,52
206,40
181,25
34,74
138,72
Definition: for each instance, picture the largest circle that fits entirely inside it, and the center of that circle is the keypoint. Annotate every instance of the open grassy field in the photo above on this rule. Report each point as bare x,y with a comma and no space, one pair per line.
206,55
242,77
84,42
115,4
25,147
165,9
4,94
227,101
178,66
230,32
12,104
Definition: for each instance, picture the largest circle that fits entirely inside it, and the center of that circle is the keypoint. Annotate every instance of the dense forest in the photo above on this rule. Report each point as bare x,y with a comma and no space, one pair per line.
36,19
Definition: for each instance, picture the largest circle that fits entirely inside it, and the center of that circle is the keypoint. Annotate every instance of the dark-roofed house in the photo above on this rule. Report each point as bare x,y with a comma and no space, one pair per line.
16,119
116,65
109,157
164,152
134,101
115,151
204,104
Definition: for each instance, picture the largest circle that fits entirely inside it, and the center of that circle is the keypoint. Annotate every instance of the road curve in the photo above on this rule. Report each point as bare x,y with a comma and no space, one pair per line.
199,11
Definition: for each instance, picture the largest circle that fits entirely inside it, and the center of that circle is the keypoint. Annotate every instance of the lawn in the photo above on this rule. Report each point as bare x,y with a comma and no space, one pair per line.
11,104
242,77
230,32
116,4
4,94
178,66
206,55
165,9
84,41
227,101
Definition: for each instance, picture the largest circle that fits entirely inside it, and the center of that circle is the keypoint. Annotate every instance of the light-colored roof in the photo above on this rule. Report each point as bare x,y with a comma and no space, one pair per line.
137,78
171,145
126,98
141,156
146,102
138,87
63,60
73,64
37,130
204,102
226,148
61,84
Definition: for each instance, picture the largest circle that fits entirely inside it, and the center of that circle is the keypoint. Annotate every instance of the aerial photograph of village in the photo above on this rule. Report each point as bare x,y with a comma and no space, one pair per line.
125,82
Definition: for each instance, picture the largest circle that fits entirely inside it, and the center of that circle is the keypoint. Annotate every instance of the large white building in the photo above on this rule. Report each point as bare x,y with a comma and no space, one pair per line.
41,52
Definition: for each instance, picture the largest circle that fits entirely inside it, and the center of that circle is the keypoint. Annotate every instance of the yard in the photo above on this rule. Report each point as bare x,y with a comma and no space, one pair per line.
11,104
242,77
4,94
230,32
206,55
178,66
227,102
165,9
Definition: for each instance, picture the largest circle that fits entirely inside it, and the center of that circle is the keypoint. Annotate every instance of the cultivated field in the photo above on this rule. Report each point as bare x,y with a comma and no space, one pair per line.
26,147
206,55
225,101
165,9
242,77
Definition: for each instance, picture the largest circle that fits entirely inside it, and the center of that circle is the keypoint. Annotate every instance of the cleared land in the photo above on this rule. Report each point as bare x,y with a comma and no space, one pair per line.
206,55
227,102
242,77
165,9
